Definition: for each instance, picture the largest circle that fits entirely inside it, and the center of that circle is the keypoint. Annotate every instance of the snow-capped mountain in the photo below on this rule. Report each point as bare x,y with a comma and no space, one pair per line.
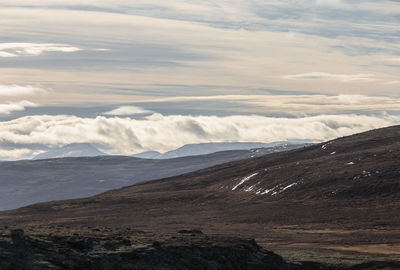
71,150
208,148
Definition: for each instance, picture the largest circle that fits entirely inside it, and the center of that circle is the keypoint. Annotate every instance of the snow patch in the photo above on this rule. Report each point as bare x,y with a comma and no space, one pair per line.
289,186
326,145
281,189
333,153
249,189
244,180
268,190
350,163
366,173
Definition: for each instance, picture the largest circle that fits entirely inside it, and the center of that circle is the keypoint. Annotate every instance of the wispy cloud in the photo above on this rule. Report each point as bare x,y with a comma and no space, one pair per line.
392,82
358,99
127,110
294,104
333,77
20,90
169,42
8,108
33,49
331,3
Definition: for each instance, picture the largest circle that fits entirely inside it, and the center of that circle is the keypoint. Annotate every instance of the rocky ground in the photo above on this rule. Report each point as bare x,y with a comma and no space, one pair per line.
64,247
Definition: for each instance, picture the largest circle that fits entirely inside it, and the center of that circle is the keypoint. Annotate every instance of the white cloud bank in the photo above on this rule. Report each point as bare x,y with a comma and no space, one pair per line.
33,49
163,133
20,90
8,108
14,154
127,110
333,77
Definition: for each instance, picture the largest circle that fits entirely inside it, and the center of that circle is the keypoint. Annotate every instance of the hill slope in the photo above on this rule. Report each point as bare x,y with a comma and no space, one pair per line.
343,195
26,182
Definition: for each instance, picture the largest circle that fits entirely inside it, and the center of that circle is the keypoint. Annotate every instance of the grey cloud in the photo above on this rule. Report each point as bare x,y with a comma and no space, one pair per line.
128,56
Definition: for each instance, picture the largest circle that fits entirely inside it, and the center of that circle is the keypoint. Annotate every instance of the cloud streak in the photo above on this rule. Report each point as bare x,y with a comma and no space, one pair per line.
245,43
295,105
33,49
332,77
20,90
163,133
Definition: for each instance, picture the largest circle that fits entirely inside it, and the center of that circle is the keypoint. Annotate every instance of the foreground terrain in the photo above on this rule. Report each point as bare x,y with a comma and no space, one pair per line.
336,202
61,247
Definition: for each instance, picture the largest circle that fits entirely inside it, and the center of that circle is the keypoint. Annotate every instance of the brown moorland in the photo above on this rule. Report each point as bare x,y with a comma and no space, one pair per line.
336,202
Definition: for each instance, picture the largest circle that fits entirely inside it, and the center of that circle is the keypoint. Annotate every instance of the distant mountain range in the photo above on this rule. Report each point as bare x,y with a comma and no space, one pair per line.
89,150
208,148
71,150
29,181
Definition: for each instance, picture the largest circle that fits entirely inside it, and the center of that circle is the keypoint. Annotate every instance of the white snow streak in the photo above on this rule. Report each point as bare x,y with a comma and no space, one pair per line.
289,186
244,180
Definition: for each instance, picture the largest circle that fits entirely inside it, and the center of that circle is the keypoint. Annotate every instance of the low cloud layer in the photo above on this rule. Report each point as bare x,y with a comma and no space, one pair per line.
33,49
163,133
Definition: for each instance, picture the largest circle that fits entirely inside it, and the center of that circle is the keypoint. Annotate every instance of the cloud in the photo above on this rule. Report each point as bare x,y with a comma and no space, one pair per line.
332,77
14,154
8,108
354,99
127,110
7,54
33,49
392,82
20,90
168,42
331,3
102,50
163,133
292,105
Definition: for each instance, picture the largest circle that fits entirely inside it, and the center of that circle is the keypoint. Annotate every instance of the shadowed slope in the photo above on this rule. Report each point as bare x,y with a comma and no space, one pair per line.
30,181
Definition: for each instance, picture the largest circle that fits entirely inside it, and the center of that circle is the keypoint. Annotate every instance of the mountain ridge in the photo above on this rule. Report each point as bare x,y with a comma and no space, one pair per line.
213,147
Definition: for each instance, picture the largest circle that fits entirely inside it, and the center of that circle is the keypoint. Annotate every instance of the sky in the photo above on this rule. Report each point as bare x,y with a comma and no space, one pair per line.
131,76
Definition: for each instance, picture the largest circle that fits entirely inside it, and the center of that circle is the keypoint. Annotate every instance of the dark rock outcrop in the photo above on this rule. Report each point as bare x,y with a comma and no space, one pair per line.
139,250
